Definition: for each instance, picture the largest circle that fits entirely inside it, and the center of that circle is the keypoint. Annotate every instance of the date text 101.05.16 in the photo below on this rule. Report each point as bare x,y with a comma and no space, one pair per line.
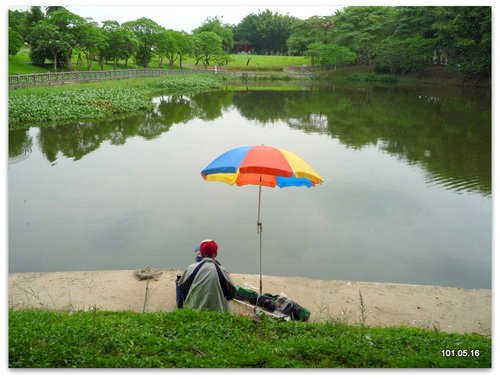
461,353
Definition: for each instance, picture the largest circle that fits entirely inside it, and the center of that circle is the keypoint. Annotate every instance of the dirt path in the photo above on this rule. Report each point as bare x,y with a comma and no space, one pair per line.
447,309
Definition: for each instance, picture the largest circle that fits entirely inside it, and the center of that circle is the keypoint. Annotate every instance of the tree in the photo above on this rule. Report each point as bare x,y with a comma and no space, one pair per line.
225,31
419,21
35,15
146,32
403,55
68,25
306,32
15,42
90,40
53,8
324,24
184,46
267,32
464,34
362,28
17,22
330,55
47,41
121,41
206,46
168,46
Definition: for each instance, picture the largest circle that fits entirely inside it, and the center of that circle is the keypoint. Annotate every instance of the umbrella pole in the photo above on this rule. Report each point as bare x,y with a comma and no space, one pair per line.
259,231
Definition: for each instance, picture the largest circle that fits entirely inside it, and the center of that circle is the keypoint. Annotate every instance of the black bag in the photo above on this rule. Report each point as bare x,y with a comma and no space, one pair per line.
292,309
267,301
246,294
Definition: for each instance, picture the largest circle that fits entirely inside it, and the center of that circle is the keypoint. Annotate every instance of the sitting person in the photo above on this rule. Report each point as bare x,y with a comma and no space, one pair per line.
205,284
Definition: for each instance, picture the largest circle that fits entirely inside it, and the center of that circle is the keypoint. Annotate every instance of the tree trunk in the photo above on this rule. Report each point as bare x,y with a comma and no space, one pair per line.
68,60
55,62
180,61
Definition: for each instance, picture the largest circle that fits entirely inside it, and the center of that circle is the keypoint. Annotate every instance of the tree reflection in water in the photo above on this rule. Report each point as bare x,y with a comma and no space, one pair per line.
445,131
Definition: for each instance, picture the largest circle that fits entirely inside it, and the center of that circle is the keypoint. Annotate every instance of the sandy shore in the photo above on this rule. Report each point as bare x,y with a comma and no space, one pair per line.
447,309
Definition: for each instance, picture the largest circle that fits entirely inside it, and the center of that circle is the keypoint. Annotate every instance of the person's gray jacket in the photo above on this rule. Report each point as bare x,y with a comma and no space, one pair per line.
206,291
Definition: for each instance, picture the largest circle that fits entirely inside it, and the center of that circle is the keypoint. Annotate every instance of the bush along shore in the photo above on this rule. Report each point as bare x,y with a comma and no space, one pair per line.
93,101
186,338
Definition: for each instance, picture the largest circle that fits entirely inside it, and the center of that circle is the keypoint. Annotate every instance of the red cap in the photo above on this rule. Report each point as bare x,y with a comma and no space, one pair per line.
209,249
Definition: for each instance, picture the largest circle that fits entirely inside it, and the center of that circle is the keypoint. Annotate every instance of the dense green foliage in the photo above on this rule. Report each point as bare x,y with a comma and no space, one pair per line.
224,31
266,32
403,39
100,100
80,104
208,339
330,55
184,85
147,32
389,39
15,42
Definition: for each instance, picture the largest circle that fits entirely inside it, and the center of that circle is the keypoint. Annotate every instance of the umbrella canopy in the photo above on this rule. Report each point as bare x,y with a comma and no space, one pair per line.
261,165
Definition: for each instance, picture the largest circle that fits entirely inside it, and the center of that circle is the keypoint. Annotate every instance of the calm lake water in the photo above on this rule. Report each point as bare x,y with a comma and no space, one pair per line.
406,198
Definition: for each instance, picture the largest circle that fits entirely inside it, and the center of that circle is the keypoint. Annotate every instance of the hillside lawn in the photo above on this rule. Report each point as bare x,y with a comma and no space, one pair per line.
21,63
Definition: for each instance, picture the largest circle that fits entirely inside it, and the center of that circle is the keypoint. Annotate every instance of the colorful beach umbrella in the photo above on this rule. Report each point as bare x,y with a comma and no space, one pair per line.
263,166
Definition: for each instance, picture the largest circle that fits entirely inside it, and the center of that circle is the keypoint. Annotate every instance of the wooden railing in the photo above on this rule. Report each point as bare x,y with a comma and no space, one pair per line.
50,78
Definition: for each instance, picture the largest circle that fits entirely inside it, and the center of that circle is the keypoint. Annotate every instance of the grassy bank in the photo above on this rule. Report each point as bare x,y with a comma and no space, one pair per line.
207,339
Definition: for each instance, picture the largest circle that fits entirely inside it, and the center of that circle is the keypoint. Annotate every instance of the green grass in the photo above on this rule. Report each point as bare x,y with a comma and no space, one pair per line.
207,339
21,63
268,60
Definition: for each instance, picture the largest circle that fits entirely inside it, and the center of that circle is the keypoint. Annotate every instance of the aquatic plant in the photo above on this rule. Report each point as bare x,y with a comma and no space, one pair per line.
369,77
77,104
184,84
